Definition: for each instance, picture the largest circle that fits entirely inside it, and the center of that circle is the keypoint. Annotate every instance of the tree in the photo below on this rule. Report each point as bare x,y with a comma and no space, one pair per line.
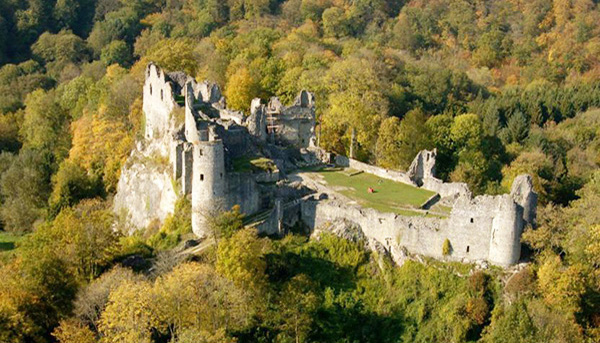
72,331
193,296
298,304
45,126
122,24
81,237
356,107
116,52
517,128
93,298
24,188
241,89
535,163
71,185
241,260
438,129
129,315
223,224
413,137
175,55
249,9
561,287
415,28
511,323
61,47
334,23
467,132
472,168
10,124
492,47
387,150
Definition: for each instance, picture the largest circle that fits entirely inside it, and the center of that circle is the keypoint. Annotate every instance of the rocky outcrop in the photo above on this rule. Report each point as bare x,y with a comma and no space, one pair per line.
145,193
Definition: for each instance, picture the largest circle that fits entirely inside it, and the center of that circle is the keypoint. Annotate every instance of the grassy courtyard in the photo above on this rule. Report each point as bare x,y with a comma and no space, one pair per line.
8,243
389,196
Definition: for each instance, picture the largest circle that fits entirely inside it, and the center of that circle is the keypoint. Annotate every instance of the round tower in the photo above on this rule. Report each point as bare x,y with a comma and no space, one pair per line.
505,240
208,182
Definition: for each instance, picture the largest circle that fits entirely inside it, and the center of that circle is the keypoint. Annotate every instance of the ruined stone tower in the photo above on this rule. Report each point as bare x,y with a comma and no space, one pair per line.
208,180
505,240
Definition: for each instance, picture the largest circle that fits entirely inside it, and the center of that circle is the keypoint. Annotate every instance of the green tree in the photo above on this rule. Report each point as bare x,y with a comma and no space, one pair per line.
82,238
241,260
467,132
45,126
175,55
387,149
60,48
511,323
335,23
517,128
413,137
116,52
298,305
72,184
356,107
24,188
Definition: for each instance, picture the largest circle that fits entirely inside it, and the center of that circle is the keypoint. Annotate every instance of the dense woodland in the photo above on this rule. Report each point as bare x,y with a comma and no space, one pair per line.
498,87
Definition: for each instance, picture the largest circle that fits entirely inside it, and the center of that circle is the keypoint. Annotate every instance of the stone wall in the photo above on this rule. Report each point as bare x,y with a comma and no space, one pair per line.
158,102
484,228
243,190
388,174
419,175
446,189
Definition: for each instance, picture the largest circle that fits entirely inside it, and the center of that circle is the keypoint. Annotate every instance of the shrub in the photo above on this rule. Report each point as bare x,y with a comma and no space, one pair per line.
446,247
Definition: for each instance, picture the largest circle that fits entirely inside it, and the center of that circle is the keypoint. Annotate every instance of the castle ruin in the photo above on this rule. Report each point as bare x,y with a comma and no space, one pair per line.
195,146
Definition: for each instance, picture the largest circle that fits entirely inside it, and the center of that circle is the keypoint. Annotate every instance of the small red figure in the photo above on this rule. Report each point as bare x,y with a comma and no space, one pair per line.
371,190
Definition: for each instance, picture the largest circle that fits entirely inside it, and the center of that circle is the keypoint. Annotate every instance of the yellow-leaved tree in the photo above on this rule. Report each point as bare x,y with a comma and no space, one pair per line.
129,315
241,89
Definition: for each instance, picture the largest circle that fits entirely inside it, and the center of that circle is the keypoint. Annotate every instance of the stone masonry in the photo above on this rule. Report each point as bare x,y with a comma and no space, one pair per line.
193,143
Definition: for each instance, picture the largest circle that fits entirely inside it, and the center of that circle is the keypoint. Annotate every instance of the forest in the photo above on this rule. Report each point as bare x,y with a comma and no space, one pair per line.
498,87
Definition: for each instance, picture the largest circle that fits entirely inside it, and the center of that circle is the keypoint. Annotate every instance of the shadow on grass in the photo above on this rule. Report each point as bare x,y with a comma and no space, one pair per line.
5,246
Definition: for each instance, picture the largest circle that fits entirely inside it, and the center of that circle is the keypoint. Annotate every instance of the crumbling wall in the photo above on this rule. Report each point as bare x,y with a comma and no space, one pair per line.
422,167
484,228
158,102
446,189
388,174
242,190
523,194
257,120
278,124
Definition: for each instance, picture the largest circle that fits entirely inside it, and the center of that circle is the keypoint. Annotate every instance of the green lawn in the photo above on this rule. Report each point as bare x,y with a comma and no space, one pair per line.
389,196
7,246
8,240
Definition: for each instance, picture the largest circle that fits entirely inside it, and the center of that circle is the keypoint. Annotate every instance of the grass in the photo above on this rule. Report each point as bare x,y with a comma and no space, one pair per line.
8,243
249,164
8,240
389,196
